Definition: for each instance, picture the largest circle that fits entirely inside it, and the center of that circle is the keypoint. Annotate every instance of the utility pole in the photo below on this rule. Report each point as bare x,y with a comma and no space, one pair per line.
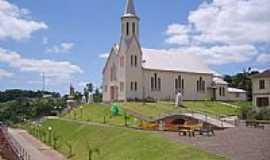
43,81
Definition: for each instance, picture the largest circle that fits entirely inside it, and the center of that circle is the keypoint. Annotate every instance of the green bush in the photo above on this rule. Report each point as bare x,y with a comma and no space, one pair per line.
263,114
253,113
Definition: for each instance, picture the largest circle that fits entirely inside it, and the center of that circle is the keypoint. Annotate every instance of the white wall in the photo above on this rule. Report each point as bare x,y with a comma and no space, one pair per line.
232,96
257,92
221,97
132,73
255,85
168,85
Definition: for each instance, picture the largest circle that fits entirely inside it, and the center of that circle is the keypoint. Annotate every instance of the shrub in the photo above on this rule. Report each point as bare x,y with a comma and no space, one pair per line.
254,113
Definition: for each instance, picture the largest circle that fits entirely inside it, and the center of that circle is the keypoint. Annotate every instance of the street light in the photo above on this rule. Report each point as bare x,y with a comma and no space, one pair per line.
50,134
39,128
81,109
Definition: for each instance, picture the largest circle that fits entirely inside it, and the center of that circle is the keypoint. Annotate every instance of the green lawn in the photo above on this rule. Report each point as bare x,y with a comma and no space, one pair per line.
214,108
97,113
151,109
155,109
120,143
242,103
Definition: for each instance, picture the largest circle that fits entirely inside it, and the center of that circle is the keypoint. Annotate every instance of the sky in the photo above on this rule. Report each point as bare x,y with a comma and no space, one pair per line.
68,40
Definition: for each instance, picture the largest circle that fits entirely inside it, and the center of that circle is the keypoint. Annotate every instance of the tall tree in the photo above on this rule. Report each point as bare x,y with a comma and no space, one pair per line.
89,87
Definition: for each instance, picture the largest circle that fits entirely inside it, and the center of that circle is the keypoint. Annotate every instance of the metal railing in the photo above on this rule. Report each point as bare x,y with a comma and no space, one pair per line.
17,150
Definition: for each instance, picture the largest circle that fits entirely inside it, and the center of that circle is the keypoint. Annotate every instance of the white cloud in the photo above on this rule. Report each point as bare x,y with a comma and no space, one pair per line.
177,29
224,31
104,55
258,69
4,73
263,58
64,47
178,34
219,55
15,22
82,84
55,70
232,21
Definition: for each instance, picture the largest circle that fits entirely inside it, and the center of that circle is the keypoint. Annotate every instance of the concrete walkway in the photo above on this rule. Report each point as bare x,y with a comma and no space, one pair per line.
36,149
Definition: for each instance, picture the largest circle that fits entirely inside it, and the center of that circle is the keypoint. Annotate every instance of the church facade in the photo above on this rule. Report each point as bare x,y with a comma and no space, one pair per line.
134,73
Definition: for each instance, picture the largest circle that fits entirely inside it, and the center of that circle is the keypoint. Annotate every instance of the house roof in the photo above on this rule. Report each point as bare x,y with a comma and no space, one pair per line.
236,90
170,61
219,80
263,74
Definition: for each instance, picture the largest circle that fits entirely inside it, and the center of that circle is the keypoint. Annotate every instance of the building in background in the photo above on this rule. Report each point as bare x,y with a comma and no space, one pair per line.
261,89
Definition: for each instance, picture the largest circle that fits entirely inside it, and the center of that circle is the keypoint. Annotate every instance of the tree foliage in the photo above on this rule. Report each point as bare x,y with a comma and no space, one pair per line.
242,80
18,105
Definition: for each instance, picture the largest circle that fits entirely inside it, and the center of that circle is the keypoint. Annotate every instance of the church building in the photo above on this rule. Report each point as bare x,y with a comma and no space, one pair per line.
133,73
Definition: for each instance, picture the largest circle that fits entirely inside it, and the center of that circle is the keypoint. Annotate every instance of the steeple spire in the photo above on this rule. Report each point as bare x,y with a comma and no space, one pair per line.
130,9
130,21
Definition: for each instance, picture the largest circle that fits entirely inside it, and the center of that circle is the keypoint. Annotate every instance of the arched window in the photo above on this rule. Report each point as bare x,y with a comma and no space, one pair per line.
152,83
159,84
131,60
176,84
131,86
183,84
179,84
135,63
155,82
135,86
155,75
127,28
133,28
201,85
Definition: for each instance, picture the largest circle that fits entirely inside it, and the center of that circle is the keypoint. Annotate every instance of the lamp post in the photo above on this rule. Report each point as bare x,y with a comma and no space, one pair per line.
81,109
39,128
50,134
126,119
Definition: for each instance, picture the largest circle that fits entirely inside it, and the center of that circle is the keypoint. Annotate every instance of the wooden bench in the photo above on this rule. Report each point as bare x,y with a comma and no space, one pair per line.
186,130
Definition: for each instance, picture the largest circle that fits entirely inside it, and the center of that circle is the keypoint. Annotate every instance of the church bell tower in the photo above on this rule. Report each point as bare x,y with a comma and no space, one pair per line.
130,21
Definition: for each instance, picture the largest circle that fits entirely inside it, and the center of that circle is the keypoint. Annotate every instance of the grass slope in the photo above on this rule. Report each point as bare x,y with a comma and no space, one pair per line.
242,103
214,108
121,143
97,112
155,109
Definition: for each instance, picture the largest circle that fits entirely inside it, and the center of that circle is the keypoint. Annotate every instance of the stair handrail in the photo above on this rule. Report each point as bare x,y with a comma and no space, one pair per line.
18,151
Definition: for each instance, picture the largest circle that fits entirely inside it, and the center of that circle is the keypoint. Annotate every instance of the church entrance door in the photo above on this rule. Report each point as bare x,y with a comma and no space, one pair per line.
114,93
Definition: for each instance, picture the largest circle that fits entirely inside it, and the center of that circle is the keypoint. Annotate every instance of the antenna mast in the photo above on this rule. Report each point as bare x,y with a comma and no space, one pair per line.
43,82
